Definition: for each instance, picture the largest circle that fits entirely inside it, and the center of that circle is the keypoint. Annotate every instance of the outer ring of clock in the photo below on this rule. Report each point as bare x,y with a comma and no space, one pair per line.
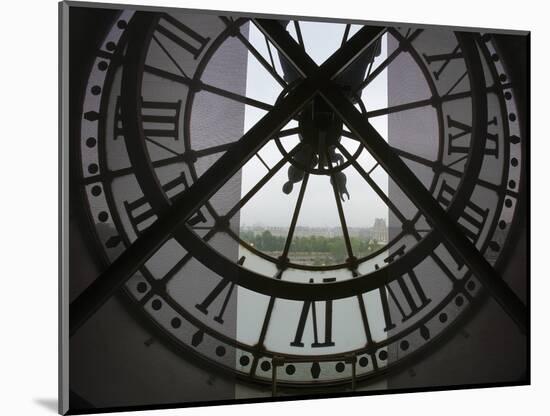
313,358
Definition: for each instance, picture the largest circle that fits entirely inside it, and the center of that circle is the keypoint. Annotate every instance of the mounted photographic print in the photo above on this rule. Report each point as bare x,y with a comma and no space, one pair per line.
264,208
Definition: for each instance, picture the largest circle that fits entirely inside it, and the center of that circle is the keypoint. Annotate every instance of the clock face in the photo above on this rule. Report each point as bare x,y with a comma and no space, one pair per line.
309,264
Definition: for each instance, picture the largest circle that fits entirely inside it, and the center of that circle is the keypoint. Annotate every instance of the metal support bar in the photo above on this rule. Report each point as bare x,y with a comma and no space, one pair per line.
273,379
403,177
168,222
352,359
305,65
421,197
189,201
276,361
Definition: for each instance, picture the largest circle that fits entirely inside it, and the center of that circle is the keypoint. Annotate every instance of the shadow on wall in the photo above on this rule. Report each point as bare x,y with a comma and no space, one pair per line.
49,404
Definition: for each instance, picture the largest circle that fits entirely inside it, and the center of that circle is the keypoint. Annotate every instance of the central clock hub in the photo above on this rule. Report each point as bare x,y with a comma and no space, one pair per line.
320,127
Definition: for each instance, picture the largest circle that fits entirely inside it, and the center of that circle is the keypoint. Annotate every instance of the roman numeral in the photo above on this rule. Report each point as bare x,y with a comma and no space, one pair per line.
142,215
407,295
182,35
303,318
212,296
473,218
471,221
159,119
444,59
462,129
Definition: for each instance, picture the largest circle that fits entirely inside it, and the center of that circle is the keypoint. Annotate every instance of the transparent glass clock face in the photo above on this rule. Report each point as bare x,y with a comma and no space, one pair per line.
312,210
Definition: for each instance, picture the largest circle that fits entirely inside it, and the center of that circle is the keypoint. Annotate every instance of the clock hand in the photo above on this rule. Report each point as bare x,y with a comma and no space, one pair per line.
340,180
295,174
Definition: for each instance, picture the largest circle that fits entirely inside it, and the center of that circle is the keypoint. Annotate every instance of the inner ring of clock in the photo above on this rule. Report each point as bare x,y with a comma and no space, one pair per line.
250,279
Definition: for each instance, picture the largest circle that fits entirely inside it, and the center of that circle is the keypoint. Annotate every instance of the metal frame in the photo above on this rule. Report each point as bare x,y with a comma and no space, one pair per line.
228,164
331,96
